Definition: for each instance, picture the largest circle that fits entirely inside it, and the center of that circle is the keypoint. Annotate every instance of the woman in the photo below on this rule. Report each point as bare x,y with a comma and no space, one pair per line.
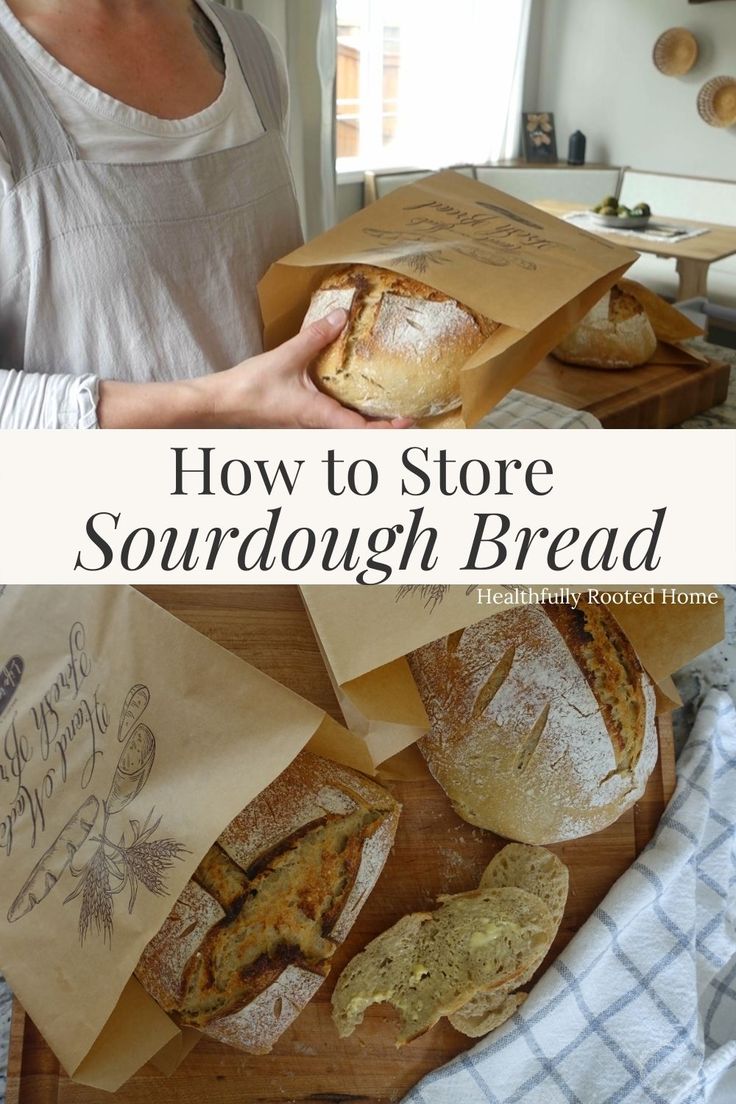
144,190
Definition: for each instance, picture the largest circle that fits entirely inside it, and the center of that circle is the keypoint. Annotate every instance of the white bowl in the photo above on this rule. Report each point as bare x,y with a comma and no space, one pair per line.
613,222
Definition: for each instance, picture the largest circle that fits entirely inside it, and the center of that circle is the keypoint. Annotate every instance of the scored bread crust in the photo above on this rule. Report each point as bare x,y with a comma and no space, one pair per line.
542,721
401,352
311,790
615,334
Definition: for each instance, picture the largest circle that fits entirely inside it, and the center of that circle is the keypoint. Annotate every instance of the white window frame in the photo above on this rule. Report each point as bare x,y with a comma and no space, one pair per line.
370,102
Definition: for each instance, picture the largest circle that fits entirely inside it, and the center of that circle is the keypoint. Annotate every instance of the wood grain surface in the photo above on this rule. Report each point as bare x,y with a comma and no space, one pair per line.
435,852
656,396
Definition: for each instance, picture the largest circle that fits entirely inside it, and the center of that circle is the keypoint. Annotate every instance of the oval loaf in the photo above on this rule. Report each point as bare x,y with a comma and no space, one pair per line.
249,941
542,721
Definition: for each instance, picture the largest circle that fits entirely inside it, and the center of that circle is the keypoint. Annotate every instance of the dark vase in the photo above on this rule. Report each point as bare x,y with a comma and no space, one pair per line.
576,149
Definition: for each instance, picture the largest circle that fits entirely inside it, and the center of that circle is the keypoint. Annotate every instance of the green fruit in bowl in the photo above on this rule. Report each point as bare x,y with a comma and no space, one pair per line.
643,209
609,201
624,212
609,210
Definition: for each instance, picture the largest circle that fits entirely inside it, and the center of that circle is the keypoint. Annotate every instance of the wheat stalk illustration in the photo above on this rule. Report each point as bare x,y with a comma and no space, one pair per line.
115,867
432,595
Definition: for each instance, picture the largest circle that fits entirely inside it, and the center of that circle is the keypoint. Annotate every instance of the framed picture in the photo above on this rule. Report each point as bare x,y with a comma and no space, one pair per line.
538,133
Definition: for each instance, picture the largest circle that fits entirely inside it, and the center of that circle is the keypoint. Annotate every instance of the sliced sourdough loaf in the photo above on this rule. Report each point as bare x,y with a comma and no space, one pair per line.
430,964
542,721
248,942
540,872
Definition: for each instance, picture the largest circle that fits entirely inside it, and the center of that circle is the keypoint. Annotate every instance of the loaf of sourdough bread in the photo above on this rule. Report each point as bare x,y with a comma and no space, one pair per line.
249,941
542,721
616,333
401,352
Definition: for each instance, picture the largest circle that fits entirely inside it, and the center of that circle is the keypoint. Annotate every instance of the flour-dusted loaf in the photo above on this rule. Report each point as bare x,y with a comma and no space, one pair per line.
429,964
616,333
249,941
401,352
540,872
542,721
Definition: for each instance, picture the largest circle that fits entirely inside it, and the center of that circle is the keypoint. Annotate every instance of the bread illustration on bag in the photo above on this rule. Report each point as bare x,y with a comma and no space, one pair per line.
138,858
401,353
249,941
542,721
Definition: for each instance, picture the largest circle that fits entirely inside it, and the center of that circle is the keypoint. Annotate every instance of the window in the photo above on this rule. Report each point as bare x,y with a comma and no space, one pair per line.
427,85
368,52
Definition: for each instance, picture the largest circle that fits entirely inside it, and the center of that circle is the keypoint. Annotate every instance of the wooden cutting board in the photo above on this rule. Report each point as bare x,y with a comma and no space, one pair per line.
435,852
656,396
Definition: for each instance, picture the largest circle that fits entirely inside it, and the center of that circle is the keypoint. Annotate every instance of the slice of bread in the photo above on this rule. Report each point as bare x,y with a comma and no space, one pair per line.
485,1012
534,869
540,872
429,965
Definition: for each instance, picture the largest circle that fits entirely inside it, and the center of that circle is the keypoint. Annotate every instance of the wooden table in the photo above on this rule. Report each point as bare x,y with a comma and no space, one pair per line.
693,256
435,852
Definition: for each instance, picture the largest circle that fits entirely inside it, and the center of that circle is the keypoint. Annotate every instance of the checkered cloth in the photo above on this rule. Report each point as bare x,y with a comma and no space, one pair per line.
517,410
641,1006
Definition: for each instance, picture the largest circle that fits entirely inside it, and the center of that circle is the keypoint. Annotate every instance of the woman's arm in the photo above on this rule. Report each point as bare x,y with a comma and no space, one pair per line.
270,391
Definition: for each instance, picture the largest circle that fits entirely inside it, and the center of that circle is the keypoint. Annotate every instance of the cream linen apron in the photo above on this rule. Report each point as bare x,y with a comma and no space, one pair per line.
138,271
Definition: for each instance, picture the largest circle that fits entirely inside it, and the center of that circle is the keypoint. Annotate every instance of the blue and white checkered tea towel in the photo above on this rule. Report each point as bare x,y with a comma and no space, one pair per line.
641,1006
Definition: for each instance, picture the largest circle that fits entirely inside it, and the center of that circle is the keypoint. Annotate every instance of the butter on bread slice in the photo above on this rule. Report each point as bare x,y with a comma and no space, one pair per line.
429,965
539,871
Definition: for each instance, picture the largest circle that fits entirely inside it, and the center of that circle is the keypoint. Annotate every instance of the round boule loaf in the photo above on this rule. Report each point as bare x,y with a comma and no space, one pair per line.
542,721
248,942
616,333
401,353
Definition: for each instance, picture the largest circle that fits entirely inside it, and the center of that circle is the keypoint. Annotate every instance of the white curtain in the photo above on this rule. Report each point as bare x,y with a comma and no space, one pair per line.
461,80
306,31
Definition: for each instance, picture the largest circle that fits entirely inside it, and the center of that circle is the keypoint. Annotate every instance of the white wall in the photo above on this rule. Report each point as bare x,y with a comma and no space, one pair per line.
595,71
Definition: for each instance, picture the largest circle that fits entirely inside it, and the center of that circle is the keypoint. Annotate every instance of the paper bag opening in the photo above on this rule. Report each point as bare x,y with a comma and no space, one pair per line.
532,273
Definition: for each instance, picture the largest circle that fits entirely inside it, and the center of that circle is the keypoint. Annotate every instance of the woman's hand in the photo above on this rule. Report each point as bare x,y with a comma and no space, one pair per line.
271,391
278,392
